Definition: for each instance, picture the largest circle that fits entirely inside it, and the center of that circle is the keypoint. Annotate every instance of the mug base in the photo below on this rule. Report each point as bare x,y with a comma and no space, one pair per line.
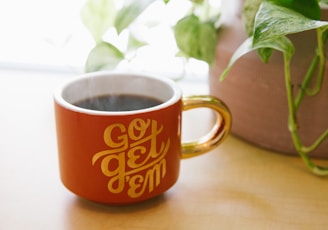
150,201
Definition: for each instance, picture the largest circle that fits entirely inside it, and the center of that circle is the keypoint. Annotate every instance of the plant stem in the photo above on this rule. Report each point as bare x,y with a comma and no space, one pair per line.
293,127
319,58
322,64
306,81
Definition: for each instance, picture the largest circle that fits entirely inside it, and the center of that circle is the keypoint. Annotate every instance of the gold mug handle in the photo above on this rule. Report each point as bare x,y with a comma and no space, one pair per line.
218,133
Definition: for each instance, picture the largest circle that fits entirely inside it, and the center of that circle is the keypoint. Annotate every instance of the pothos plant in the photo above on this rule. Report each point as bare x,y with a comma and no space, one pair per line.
195,32
269,23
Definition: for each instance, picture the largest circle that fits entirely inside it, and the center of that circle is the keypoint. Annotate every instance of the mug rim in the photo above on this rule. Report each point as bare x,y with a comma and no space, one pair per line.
59,99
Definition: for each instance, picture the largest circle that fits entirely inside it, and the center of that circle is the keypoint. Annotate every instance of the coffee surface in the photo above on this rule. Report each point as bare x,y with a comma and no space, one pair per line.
119,102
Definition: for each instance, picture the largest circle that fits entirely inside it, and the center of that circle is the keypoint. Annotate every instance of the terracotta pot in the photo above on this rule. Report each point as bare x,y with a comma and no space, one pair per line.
256,94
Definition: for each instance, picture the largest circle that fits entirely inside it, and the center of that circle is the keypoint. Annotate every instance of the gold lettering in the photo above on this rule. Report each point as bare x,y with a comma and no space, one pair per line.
116,184
121,138
154,133
155,175
114,166
151,180
138,128
153,141
135,183
134,154
135,157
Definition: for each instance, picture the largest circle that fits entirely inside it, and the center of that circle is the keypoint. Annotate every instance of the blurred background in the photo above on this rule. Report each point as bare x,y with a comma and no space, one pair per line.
47,35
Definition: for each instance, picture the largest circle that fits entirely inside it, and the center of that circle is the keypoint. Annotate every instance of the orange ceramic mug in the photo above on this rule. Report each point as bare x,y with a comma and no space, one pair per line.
122,157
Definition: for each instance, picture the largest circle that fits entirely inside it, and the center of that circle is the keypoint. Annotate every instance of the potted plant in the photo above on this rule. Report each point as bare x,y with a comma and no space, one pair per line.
290,81
198,34
109,23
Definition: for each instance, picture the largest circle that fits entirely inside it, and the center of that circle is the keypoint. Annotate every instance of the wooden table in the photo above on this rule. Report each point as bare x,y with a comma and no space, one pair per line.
236,186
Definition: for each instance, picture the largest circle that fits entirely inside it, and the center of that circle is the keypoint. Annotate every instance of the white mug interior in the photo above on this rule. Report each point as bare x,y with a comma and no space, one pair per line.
111,83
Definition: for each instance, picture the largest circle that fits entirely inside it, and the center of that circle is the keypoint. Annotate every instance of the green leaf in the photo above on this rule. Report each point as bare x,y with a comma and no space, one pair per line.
274,21
196,39
197,1
129,13
249,11
103,56
98,16
134,43
244,48
309,8
282,44
265,54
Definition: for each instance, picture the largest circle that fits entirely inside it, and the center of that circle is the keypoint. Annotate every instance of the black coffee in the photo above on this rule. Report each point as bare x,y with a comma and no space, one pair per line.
120,102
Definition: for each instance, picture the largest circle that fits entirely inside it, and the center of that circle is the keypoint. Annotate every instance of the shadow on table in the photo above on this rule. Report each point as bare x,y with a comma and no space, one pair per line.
83,214
84,204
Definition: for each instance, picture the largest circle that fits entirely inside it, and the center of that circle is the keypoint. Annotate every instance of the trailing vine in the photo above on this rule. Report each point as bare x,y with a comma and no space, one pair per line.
274,20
